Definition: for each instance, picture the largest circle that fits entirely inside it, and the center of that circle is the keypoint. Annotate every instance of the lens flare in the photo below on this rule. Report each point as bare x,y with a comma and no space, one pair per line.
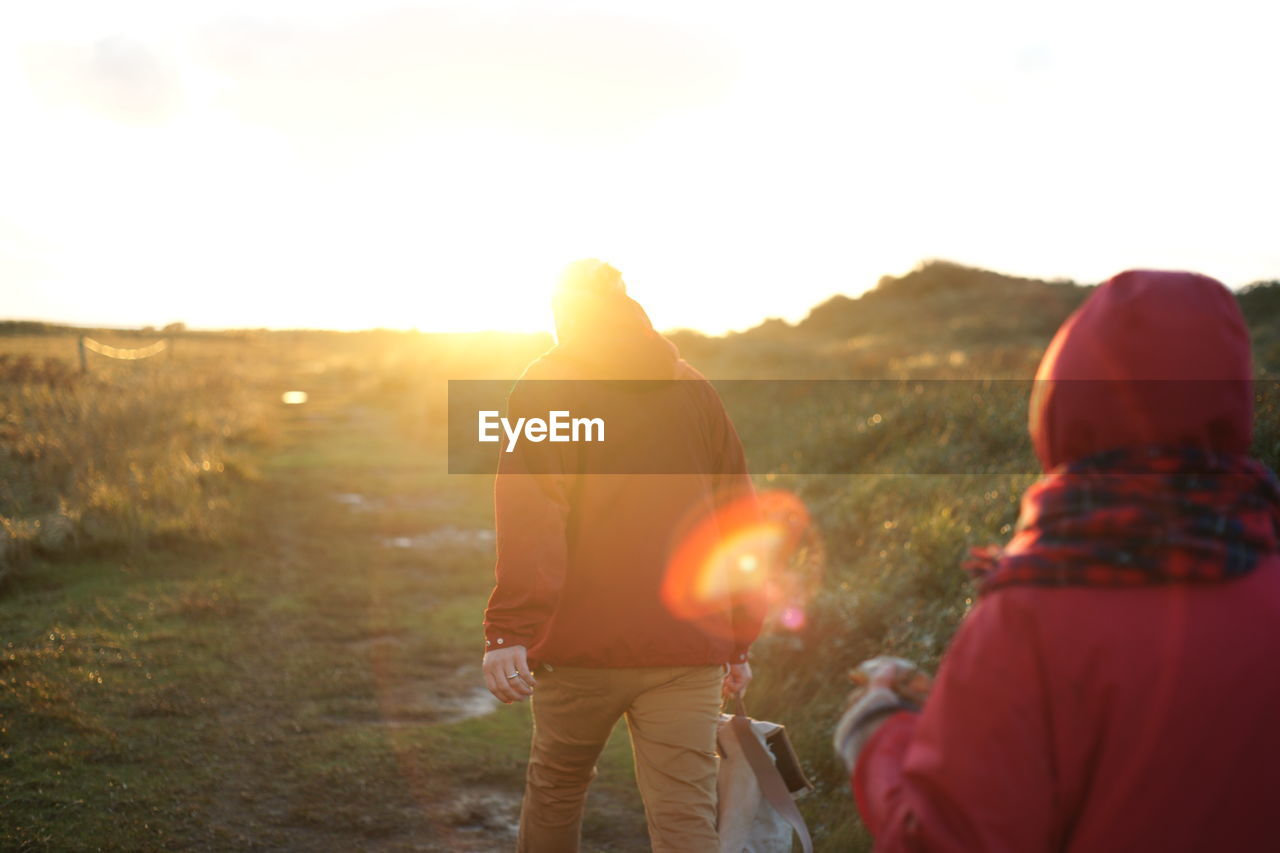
792,618
752,556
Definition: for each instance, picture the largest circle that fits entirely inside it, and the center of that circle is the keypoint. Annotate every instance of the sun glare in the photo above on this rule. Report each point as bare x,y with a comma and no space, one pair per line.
359,165
759,552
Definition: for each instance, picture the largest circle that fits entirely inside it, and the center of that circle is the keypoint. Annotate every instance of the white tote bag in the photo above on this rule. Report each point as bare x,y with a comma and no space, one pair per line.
755,812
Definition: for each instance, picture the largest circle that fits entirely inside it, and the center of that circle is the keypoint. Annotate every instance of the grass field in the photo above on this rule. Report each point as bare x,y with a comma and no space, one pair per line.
281,650
310,684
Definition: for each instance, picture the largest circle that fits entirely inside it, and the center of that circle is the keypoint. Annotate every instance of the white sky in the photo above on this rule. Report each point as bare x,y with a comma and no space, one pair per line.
359,163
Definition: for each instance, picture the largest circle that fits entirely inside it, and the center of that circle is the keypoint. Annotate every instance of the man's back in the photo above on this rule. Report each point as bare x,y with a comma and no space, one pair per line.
669,461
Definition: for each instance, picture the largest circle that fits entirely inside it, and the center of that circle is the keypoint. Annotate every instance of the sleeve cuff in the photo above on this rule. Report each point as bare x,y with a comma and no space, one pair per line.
859,722
879,771
494,640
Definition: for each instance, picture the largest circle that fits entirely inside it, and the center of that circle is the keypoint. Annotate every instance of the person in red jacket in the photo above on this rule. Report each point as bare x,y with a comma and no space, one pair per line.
586,534
1112,688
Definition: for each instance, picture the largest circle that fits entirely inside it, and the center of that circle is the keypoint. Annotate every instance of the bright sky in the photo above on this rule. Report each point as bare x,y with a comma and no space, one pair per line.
361,163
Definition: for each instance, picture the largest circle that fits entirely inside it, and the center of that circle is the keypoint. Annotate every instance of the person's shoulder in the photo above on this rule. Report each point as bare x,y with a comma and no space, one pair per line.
539,382
551,365
690,377
701,388
685,370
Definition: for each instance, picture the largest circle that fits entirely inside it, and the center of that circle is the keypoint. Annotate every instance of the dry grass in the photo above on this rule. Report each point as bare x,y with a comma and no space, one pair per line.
123,456
134,453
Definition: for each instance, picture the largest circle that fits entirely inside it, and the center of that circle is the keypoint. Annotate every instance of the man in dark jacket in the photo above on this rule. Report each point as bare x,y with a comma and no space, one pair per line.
587,534
1112,688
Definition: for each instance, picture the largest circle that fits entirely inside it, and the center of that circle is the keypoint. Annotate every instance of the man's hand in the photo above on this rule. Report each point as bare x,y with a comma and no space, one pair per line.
736,680
507,675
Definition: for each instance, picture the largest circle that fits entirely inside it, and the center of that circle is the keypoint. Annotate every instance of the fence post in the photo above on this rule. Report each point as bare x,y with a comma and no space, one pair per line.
84,362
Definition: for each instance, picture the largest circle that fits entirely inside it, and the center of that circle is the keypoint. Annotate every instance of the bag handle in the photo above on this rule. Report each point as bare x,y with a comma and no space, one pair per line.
771,784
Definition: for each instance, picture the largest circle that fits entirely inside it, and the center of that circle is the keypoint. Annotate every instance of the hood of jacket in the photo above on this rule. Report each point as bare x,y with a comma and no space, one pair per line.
1152,358
611,337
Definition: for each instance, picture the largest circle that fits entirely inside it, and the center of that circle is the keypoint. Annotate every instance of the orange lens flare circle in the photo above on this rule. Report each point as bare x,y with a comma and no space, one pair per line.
752,557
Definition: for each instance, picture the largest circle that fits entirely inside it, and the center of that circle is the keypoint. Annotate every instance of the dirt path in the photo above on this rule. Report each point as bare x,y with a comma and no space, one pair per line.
358,719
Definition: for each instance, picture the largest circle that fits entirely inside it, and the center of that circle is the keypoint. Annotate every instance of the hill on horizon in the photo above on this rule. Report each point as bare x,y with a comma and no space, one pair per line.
965,305
939,314
962,301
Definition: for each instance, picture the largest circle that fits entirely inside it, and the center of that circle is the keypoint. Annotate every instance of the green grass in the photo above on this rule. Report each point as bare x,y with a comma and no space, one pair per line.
296,686
99,674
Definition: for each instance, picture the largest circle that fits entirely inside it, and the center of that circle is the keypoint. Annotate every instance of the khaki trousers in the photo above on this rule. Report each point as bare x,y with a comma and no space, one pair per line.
671,715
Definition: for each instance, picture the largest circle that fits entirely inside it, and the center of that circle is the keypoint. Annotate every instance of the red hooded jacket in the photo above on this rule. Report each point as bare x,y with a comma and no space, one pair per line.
1090,719
583,555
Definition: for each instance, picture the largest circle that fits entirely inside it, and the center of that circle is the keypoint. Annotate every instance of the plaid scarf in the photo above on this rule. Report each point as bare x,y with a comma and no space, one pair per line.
1128,518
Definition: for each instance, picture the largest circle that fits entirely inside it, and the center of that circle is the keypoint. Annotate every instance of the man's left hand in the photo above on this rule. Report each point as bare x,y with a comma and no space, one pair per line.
736,680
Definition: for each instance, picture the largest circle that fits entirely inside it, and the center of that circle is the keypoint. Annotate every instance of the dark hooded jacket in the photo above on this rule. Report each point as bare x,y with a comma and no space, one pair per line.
1094,719
585,544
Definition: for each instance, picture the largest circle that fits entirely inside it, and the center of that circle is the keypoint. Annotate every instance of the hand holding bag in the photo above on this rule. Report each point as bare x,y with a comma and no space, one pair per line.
759,776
